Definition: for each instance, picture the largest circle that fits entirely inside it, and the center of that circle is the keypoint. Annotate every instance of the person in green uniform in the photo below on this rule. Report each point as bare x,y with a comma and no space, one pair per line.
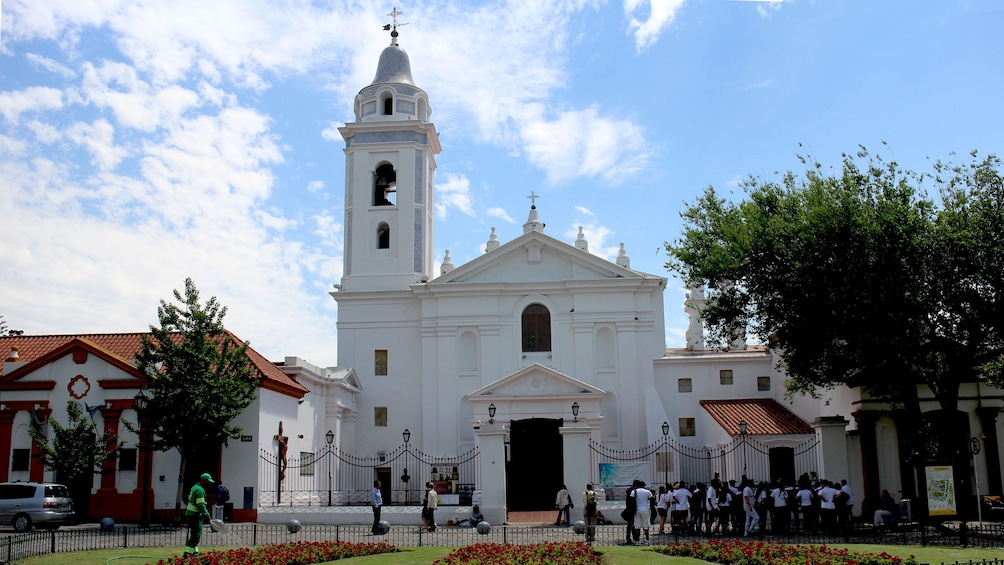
196,513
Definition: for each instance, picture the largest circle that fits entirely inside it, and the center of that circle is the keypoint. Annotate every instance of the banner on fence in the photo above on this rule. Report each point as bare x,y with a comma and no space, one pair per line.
614,475
940,491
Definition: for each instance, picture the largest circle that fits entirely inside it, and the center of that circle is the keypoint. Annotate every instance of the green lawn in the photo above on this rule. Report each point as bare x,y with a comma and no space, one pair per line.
426,555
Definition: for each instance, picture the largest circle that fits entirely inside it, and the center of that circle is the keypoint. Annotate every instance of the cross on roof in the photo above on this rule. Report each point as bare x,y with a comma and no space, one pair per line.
533,198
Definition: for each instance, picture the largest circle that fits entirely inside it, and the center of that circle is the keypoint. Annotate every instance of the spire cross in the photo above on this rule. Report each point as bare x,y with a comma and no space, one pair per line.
393,15
533,198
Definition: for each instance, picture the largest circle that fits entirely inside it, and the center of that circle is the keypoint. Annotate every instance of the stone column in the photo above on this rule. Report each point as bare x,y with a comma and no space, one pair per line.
832,447
575,448
491,441
6,435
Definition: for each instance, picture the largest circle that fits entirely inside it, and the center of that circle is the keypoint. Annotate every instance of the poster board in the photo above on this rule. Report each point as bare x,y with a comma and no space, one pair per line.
613,475
940,490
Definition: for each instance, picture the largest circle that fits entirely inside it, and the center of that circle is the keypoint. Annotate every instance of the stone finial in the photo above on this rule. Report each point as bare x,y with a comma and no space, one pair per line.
493,242
447,265
622,258
580,241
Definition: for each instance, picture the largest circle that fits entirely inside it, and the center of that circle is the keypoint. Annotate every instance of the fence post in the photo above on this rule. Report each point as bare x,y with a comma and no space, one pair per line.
53,541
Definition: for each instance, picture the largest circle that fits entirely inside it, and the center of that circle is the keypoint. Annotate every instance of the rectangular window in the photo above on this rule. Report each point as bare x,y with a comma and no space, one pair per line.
685,385
20,459
306,463
380,416
763,383
127,459
687,427
380,362
725,376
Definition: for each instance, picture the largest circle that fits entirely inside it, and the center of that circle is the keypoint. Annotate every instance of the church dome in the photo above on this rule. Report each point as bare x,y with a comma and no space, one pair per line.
394,66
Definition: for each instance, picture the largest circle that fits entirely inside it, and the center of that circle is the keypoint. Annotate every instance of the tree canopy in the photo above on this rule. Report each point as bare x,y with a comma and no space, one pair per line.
4,330
200,377
859,277
76,452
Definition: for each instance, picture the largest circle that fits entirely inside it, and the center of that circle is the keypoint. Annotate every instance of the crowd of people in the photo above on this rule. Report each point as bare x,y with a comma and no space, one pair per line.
747,507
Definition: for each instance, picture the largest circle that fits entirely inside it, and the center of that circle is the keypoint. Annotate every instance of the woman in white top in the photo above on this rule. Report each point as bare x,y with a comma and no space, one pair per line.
662,507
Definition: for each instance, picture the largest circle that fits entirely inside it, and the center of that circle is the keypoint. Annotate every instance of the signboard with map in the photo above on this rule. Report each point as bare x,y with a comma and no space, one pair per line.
940,491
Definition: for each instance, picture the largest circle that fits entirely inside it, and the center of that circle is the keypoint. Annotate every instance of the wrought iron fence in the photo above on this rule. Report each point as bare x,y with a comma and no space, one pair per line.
334,477
668,461
170,540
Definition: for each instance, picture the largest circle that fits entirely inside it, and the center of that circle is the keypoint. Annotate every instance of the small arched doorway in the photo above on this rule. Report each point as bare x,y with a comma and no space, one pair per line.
534,468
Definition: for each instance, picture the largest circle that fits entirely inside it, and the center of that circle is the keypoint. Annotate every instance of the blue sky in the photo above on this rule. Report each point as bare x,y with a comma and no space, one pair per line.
142,142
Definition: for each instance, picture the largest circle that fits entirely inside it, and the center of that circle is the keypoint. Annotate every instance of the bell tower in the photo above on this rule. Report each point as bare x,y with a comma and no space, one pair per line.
390,162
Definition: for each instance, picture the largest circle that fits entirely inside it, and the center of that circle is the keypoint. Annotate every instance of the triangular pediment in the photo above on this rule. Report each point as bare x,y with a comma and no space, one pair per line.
536,257
536,380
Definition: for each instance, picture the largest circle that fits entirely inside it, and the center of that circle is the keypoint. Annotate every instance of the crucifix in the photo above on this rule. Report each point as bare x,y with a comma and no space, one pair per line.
533,199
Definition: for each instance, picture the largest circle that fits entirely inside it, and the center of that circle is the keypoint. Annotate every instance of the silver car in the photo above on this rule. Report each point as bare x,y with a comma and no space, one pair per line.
24,505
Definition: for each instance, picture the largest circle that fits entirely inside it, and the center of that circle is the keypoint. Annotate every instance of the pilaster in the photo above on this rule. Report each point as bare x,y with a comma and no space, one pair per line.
491,441
831,431
575,450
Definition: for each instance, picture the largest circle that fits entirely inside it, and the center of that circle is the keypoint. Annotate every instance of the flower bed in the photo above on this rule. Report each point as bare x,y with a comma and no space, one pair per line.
547,553
736,552
295,553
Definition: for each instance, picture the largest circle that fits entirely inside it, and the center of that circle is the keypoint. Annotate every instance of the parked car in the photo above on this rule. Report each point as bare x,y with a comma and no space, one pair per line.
24,505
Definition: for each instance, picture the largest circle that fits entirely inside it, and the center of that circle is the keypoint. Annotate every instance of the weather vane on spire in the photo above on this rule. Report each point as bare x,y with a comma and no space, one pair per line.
533,199
392,27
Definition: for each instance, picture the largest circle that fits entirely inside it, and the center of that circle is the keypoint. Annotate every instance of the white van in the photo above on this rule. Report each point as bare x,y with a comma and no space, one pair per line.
24,505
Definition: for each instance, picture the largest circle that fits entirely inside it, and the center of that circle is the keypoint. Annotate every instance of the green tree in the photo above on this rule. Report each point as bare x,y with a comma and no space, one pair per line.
860,279
76,452
200,378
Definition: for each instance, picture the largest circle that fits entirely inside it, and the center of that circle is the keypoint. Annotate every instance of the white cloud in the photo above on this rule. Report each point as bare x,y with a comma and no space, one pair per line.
660,15
32,99
135,102
49,65
500,213
584,211
583,143
454,192
98,139
315,186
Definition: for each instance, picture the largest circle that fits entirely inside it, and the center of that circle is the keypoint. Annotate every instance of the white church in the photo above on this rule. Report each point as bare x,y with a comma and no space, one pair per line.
545,361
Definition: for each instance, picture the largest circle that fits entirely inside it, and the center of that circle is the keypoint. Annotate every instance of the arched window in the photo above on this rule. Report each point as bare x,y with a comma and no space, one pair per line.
536,328
385,185
388,106
383,236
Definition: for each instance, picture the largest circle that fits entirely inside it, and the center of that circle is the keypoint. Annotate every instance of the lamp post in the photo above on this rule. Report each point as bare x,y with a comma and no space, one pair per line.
742,433
406,436
329,437
141,403
665,444
491,413
575,411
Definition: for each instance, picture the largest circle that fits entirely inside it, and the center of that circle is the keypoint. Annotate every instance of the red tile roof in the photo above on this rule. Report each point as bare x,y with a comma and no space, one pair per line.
124,347
764,416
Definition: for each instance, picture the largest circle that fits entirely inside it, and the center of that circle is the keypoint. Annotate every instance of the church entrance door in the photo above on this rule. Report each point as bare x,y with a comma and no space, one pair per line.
535,468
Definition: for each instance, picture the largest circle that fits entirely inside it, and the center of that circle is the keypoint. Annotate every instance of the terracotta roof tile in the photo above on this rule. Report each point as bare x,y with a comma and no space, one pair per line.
126,345
764,416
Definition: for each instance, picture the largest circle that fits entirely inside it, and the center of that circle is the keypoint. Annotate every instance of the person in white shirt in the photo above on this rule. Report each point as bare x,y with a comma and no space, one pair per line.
662,507
779,518
749,507
642,517
828,507
804,496
682,495
712,509
845,507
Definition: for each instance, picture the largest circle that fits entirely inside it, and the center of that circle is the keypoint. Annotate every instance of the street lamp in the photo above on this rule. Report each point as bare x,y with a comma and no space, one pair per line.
329,437
665,462
406,436
575,411
491,413
141,402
